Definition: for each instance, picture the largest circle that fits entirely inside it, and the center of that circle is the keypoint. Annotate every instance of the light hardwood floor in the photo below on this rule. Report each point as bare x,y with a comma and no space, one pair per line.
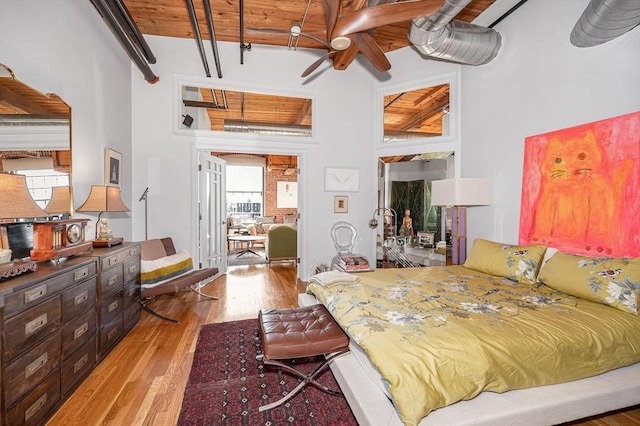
142,381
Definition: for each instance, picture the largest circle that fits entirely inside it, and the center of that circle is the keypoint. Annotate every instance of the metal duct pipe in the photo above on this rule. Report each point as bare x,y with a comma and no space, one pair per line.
240,126
458,42
442,17
134,54
439,37
196,32
604,20
212,33
126,21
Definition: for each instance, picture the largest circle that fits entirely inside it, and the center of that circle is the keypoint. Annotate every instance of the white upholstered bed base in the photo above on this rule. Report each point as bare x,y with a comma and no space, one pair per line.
542,405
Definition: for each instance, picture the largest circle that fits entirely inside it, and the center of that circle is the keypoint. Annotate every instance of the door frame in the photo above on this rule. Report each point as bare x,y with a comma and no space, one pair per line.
300,151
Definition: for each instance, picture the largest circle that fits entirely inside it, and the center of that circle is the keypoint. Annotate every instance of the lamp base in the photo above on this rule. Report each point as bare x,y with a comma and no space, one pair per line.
107,242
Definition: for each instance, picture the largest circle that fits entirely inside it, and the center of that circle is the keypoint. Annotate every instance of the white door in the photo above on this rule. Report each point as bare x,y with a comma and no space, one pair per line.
212,220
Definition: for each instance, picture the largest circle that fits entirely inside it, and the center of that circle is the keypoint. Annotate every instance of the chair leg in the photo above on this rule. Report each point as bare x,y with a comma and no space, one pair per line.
196,290
143,303
307,378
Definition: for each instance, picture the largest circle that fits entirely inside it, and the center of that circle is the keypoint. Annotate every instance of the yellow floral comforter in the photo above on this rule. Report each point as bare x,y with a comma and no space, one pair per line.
444,334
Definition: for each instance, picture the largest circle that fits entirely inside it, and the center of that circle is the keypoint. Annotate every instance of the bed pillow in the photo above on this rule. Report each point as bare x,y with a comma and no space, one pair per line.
518,263
159,271
611,281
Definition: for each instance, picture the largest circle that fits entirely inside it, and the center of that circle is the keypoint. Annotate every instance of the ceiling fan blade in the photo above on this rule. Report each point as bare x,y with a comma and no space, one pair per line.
369,48
385,14
311,68
331,11
289,33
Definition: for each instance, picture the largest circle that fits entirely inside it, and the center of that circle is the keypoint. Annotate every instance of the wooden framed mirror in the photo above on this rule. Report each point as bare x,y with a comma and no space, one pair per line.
35,136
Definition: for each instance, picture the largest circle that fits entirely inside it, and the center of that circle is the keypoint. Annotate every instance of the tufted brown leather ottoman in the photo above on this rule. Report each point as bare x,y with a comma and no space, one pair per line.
297,333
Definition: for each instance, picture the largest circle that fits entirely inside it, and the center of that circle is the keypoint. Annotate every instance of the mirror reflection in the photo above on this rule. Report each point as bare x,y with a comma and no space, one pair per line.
245,112
35,136
420,113
406,216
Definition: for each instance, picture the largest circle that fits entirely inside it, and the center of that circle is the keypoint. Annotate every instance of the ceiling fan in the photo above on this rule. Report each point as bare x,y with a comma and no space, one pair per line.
351,31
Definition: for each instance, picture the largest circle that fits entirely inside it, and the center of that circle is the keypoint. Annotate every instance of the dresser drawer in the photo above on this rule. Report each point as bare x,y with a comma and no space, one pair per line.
131,294
79,364
27,297
131,316
110,334
34,408
31,367
111,281
78,299
132,269
75,333
27,328
111,307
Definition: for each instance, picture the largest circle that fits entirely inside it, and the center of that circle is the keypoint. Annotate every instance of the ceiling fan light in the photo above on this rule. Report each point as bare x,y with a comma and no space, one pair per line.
340,43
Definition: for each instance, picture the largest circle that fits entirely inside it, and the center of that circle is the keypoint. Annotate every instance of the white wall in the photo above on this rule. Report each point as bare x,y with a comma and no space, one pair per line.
538,83
63,47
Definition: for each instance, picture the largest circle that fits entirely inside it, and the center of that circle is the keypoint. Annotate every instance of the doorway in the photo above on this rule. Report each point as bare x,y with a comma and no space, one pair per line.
261,194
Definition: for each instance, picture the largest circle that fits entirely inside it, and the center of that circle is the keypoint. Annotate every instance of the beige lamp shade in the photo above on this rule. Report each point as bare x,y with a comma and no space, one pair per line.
103,198
60,202
461,192
15,200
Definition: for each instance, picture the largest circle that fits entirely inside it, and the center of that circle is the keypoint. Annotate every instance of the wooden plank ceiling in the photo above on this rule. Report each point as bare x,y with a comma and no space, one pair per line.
416,111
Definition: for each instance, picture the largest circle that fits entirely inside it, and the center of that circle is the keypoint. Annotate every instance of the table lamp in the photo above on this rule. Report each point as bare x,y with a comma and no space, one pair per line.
16,201
104,198
60,202
460,193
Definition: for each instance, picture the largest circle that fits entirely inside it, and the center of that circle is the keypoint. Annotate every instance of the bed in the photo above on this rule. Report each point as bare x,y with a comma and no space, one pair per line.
497,341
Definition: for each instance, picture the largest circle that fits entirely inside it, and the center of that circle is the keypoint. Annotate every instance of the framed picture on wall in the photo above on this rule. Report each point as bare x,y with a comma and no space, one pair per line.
112,167
343,180
426,239
341,204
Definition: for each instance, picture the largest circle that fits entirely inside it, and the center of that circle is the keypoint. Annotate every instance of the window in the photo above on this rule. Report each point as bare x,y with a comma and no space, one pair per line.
245,192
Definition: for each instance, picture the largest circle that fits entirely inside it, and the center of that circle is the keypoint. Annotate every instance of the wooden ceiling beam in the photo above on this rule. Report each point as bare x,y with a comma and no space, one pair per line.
423,115
433,94
304,113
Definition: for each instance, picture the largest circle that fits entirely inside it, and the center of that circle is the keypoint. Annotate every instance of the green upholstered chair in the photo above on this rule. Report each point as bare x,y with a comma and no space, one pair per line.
282,243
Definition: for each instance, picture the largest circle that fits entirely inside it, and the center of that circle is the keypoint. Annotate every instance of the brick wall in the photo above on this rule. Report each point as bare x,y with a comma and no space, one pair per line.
271,191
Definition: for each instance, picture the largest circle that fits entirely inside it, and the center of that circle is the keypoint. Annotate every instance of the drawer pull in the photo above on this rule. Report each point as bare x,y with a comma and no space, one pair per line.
81,362
133,269
112,260
112,281
35,407
113,306
80,274
133,251
36,365
35,294
34,325
112,334
80,330
81,298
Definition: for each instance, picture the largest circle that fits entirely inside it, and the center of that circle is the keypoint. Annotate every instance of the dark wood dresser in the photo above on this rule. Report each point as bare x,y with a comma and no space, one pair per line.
58,323
118,293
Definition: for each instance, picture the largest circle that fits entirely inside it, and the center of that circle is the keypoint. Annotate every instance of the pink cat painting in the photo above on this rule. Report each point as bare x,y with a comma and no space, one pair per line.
581,188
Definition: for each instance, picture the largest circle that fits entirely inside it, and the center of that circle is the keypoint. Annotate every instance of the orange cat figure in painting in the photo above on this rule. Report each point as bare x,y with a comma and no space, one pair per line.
578,199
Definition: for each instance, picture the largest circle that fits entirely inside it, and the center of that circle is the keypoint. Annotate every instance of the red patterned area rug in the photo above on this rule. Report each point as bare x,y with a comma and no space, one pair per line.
227,384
